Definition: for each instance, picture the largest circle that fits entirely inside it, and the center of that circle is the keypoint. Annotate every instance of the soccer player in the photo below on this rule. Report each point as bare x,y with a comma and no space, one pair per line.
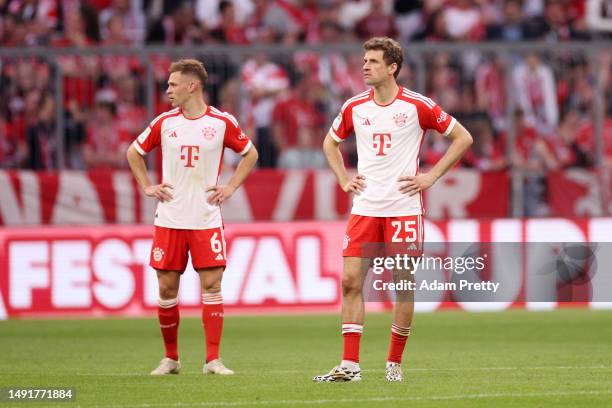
188,218
389,122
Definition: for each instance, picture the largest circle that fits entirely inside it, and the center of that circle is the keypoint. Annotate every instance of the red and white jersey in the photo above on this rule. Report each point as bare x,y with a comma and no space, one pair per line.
192,152
389,139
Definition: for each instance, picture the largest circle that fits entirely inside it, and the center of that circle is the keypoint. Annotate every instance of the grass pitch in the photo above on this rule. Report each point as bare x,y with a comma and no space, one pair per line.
454,359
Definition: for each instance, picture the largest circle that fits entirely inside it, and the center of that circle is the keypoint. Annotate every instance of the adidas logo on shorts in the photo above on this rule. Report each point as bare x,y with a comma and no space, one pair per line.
219,257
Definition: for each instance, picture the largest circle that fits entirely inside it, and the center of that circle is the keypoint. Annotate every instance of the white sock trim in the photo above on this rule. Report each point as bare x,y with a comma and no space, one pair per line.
212,298
402,331
167,303
352,328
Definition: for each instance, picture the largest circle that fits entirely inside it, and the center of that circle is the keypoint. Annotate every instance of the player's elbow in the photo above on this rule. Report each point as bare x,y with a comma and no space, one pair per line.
468,140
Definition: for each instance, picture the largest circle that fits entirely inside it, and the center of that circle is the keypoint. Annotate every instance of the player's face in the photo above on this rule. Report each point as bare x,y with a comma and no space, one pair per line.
375,69
180,88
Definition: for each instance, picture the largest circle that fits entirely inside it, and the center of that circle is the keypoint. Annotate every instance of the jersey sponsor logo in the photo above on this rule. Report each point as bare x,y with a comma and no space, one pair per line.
173,134
209,132
380,142
366,122
400,119
442,117
190,154
158,254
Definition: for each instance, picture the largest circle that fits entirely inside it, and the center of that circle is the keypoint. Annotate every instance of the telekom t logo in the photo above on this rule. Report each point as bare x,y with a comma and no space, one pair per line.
192,154
381,141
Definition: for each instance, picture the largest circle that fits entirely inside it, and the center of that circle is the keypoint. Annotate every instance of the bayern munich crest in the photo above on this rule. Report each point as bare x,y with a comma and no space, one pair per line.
209,132
345,242
400,119
158,254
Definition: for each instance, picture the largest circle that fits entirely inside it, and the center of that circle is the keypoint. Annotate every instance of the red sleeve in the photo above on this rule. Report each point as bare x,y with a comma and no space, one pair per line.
235,138
150,138
433,117
342,127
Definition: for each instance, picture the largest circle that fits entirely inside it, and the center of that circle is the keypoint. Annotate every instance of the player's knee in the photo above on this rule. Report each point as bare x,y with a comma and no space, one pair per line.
167,291
350,285
212,287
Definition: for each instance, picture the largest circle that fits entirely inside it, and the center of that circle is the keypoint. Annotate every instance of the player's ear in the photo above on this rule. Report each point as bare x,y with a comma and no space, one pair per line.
393,67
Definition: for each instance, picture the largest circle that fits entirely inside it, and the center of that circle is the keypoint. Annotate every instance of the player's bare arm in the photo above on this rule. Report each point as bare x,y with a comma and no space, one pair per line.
331,148
139,169
246,165
461,140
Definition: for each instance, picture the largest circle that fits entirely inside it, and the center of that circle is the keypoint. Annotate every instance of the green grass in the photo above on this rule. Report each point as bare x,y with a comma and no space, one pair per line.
454,359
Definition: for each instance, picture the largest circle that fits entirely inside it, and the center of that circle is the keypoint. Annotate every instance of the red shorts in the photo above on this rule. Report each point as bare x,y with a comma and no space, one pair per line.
171,246
366,236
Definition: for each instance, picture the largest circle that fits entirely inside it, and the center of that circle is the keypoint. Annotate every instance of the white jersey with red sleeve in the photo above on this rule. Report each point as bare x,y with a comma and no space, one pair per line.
192,152
389,139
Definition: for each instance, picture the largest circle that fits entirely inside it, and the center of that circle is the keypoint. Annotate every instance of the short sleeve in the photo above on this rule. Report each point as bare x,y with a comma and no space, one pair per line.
235,138
342,127
433,117
149,139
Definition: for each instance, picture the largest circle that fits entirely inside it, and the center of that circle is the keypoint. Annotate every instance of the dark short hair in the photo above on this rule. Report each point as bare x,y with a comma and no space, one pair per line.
191,67
392,51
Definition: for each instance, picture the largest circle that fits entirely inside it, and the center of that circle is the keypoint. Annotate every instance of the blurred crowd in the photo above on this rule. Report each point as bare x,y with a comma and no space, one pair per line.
170,22
285,102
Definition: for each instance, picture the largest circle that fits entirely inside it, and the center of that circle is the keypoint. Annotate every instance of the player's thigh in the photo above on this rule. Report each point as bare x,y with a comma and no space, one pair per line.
169,251
207,248
363,237
210,278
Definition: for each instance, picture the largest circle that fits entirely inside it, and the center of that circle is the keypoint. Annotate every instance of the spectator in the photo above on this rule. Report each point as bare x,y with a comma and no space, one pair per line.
534,84
12,146
80,72
534,155
131,116
378,23
464,20
297,109
208,12
36,19
352,11
285,20
488,151
490,88
41,136
106,142
129,16
410,18
228,30
264,81
553,25
512,27
177,28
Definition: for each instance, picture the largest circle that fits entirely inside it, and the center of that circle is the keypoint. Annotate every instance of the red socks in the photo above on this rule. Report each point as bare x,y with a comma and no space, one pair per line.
399,335
352,336
212,320
168,315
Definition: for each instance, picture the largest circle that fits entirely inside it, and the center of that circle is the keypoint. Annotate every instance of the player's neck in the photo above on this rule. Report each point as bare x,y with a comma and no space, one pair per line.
194,108
385,93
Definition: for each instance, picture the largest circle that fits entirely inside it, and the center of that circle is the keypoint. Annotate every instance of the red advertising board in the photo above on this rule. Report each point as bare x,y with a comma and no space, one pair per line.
272,267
